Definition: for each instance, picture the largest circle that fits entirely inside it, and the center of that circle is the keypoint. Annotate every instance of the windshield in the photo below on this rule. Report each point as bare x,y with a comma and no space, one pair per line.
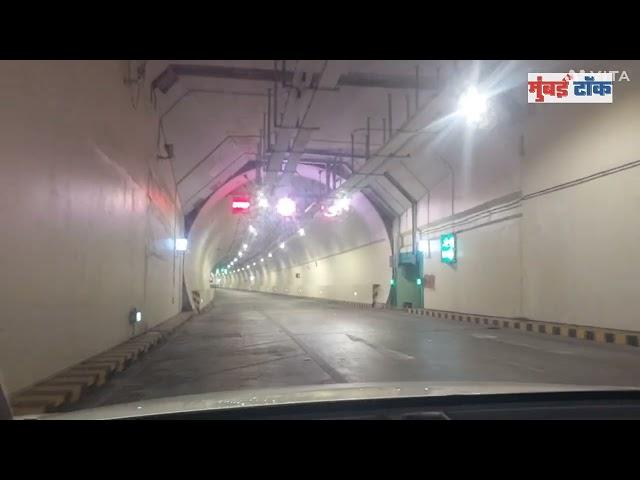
197,227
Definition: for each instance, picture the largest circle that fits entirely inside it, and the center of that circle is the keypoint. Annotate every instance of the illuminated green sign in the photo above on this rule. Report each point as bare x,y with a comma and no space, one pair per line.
418,281
448,248
392,282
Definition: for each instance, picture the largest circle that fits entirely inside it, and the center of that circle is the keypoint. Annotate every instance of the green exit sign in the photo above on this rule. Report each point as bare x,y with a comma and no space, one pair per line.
448,248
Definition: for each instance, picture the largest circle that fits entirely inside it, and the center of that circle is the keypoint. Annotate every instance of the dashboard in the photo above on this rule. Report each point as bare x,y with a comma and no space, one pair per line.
600,405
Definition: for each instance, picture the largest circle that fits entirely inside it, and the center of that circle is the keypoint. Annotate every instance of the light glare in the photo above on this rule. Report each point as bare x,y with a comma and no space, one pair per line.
181,244
473,105
286,207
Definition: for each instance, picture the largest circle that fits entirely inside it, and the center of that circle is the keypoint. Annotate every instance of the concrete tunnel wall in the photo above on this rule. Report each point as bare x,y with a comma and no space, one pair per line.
88,216
569,256
338,258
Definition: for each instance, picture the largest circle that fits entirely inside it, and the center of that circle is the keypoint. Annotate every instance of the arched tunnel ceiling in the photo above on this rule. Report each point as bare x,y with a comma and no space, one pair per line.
213,111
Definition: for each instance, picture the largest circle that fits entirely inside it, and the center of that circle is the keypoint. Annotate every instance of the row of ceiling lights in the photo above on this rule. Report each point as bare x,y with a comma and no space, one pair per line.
472,105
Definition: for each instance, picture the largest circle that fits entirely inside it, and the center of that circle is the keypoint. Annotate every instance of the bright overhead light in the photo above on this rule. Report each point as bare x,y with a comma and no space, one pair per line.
473,105
270,255
282,245
339,206
301,232
286,207
253,230
262,259
252,278
240,253
245,246
254,264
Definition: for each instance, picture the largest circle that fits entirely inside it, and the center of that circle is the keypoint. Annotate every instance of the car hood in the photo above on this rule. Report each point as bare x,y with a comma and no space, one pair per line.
311,394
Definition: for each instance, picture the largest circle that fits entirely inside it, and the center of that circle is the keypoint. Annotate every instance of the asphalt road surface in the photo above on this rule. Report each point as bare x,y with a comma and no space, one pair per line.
252,340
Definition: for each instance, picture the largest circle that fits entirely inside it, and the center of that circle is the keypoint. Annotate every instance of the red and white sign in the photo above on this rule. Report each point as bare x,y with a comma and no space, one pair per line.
240,204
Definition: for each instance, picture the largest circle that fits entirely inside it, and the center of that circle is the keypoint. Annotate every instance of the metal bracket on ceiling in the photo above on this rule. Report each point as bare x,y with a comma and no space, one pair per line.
287,127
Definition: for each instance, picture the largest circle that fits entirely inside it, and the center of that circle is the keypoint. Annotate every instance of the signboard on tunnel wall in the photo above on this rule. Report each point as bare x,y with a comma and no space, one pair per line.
240,204
448,248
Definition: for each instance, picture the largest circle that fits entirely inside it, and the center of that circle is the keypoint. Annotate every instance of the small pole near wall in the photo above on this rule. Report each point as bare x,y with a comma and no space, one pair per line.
268,120
417,87
352,154
390,115
263,134
384,131
408,106
368,138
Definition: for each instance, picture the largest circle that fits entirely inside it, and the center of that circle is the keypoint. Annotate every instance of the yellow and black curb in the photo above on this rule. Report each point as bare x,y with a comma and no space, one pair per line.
594,334
69,386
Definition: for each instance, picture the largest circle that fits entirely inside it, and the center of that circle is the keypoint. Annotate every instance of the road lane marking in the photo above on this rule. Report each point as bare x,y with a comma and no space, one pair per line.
481,335
380,349
518,344
336,376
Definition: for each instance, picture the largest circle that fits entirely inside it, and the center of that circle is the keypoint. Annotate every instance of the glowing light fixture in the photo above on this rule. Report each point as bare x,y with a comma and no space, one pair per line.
473,105
181,244
270,255
245,246
339,206
135,316
240,253
253,230
301,232
282,245
286,207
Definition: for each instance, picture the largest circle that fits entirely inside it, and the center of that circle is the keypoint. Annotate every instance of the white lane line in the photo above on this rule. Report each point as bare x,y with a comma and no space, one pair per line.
380,349
518,344
521,365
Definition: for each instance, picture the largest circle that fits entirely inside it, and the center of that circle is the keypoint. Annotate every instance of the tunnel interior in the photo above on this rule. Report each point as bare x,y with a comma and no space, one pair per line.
119,194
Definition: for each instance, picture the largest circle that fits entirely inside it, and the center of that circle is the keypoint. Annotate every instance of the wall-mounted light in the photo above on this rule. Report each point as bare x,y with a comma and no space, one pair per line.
181,244
135,316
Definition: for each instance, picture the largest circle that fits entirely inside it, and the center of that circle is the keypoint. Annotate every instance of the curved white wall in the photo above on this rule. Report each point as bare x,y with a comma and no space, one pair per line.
88,216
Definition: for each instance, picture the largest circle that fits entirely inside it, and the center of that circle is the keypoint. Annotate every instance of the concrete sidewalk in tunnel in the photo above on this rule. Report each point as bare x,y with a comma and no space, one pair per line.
254,340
